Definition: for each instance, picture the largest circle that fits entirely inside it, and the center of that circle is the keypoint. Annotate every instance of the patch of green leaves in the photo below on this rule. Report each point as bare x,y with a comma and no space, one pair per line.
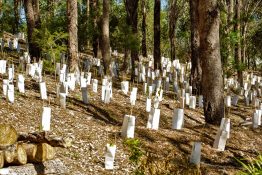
252,168
134,146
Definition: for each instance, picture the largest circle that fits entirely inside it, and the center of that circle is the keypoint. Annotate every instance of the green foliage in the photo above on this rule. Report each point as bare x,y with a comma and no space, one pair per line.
51,43
48,66
121,35
183,33
252,168
135,149
6,17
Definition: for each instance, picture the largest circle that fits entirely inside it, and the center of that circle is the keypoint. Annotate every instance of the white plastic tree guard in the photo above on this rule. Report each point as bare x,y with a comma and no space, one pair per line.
128,126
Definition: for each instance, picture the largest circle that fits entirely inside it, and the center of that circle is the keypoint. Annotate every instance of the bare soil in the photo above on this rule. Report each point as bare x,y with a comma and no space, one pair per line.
92,126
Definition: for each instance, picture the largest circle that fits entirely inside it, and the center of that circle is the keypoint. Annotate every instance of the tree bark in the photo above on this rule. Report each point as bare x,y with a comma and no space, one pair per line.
173,16
16,12
144,11
33,21
196,71
125,61
94,16
1,4
36,10
131,9
244,44
157,53
238,44
72,31
212,81
230,18
105,36
87,4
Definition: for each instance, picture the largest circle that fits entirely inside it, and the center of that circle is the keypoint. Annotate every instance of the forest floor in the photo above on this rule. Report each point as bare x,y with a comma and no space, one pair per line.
92,126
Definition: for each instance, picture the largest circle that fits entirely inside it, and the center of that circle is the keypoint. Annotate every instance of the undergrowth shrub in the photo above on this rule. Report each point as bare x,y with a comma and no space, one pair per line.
253,167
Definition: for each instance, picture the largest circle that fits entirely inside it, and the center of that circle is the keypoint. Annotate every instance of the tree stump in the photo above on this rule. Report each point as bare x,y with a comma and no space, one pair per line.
8,136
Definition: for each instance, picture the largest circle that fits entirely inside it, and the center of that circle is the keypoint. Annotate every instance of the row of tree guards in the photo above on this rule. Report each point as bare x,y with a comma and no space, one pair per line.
156,84
205,44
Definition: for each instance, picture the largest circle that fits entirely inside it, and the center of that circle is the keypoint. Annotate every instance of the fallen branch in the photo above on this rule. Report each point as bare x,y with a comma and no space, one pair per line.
44,137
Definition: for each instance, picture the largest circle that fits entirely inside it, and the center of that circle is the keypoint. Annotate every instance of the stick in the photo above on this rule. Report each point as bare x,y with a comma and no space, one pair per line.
49,99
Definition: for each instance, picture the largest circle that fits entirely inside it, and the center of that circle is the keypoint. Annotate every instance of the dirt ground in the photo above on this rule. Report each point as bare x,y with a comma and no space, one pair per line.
92,126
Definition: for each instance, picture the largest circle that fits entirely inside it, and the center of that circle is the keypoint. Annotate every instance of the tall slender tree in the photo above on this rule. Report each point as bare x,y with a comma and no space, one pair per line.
33,21
144,11
16,12
249,8
94,15
228,30
196,71
238,57
1,4
157,53
212,81
131,9
72,33
87,3
175,8
105,36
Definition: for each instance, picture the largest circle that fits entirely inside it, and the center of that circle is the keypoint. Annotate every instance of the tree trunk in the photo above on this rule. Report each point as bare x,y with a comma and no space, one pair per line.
131,9
87,9
157,53
144,11
125,62
36,10
94,16
244,44
196,71
72,31
1,5
173,16
87,20
238,44
105,36
33,21
16,12
212,81
230,18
